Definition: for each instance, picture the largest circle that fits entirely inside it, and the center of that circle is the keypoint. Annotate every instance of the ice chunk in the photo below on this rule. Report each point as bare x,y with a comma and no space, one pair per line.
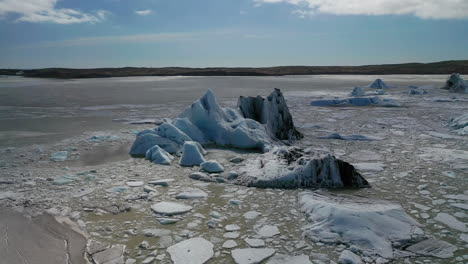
192,154
351,137
229,244
162,182
285,259
417,91
369,166
460,123
159,156
146,141
348,257
211,166
59,156
255,242
170,208
135,183
434,248
110,255
195,251
290,167
451,222
191,193
268,231
273,112
372,226
103,138
66,179
357,92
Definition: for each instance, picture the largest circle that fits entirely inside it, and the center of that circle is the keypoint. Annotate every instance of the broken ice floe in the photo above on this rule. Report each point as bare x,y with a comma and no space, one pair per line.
358,101
375,228
251,255
291,168
195,250
456,84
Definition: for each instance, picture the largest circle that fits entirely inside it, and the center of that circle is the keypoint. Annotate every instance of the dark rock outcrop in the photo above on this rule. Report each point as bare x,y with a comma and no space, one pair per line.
273,112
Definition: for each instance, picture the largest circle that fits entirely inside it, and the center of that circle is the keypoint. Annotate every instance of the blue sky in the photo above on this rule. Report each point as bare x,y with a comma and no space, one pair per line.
203,33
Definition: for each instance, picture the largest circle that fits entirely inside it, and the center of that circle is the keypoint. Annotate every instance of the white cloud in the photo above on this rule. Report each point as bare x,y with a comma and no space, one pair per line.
425,9
170,37
136,38
144,12
46,11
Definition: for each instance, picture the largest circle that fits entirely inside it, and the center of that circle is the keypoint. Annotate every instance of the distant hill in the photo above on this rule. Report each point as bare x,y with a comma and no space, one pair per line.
443,67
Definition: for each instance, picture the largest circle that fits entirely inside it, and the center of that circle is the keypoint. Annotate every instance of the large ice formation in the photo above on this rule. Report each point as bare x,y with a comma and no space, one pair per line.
273,112
290,167
378,84
258,124
373,227
226,126
456,84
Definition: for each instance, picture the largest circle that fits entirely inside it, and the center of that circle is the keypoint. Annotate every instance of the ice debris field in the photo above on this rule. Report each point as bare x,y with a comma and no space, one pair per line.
379,176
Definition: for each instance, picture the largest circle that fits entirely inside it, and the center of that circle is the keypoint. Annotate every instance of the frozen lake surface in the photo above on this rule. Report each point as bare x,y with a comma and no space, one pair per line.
418,166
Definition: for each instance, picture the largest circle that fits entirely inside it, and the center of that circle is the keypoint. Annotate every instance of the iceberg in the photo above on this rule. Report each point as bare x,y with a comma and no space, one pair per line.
273,112
290,167
257,124
456,84
378,84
